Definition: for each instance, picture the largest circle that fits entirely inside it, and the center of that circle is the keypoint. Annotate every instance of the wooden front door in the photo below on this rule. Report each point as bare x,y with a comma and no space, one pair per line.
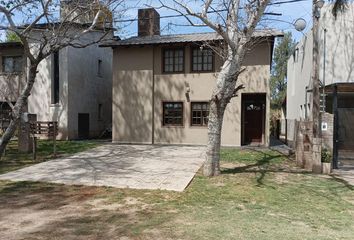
83,126
253,119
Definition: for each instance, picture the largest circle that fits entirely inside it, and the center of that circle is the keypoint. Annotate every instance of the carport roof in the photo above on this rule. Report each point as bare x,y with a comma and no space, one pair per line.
346,87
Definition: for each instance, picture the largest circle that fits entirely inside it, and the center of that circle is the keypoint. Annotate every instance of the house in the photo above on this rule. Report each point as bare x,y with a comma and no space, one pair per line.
162,85
336,50
73,86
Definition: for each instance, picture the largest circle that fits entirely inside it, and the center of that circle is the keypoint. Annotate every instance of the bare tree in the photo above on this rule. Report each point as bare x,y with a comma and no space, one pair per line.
45,27
235,21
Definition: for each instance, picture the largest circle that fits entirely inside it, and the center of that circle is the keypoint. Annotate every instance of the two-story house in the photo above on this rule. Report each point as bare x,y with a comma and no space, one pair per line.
162,85
73,86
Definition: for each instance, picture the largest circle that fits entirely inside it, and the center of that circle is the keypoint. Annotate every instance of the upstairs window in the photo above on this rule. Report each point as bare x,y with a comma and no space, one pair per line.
200,113
56,78
202,60
99,68
12,64
173,60
172,114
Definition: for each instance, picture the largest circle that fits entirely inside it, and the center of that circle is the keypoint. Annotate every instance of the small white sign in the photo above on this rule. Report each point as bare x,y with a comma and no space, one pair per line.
324,126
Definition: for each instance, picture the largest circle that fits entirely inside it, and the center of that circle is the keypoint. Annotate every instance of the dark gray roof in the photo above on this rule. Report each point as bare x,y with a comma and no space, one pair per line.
182,38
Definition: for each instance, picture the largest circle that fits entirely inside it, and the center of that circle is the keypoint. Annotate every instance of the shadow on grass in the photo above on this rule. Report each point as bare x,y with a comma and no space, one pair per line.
265,164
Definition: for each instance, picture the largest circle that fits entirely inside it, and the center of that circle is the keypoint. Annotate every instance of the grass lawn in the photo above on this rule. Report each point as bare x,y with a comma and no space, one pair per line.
14,160
260,195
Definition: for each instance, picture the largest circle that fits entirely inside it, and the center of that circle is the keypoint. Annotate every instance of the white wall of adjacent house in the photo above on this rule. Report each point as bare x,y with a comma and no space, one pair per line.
85,83
339,59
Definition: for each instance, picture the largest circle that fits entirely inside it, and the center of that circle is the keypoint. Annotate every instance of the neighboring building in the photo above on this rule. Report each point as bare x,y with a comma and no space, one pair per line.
336,72
162,85
73,86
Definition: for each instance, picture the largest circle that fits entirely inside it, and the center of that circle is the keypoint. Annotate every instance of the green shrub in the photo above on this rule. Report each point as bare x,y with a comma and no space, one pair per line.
326,155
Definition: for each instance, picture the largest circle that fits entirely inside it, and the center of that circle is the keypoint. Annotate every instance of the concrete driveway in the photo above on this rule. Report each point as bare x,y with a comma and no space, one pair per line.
121,166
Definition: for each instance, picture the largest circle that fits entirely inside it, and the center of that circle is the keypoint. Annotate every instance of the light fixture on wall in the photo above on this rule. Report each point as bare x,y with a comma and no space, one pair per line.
188,90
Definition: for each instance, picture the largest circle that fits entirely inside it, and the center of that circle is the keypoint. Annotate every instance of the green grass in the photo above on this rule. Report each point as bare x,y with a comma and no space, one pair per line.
259,195
14,160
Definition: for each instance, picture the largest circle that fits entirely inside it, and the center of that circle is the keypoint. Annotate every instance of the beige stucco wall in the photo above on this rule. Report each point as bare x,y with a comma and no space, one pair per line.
339,59
133,78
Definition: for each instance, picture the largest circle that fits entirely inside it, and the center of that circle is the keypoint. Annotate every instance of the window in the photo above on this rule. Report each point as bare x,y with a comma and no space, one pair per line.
173,60
202,60
200,113
12,64
55,82
172,114
99,68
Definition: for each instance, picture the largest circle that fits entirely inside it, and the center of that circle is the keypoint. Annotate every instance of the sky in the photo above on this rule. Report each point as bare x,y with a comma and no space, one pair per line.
290,12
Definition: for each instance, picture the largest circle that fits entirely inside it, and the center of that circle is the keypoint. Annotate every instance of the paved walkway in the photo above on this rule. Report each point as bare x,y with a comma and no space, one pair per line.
345,173
121,166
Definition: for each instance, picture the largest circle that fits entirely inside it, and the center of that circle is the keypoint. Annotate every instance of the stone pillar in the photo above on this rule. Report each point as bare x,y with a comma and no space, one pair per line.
299,149
24,134
316,155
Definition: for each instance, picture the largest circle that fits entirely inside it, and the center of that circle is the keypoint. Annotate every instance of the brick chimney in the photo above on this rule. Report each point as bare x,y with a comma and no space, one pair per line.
148,22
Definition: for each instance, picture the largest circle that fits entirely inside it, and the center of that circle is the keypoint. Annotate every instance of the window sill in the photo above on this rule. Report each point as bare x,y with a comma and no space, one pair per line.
172,126
197,126
196,72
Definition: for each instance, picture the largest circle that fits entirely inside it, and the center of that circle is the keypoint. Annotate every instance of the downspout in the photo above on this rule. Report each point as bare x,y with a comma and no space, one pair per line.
324,72
306,90
153,98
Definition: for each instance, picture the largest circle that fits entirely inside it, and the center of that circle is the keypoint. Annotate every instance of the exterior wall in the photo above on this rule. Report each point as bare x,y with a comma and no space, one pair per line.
327,135
339,60
80,89
87,88
133,81
299,77
132,95
11,84
40,100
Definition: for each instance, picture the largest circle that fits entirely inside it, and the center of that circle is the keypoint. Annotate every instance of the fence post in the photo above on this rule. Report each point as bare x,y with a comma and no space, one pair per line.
34,148
55,138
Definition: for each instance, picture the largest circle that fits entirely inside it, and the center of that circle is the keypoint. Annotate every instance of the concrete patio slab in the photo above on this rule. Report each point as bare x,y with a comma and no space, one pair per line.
120,166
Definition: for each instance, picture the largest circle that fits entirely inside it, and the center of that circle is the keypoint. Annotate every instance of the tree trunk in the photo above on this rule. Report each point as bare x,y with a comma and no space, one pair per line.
223,92
18,108
216,116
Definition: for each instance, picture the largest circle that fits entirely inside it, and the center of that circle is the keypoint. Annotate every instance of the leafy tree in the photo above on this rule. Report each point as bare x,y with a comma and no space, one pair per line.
278,80
12,37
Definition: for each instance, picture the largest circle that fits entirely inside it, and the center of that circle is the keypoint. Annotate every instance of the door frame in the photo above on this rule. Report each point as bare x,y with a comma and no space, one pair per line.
253,96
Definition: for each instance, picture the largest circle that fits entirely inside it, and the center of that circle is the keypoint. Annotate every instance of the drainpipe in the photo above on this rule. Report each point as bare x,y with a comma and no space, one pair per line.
153,98
335,127
306,90
324,72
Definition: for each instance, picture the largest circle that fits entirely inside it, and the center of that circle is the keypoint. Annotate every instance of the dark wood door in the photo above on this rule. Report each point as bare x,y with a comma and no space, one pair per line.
253,118
84,125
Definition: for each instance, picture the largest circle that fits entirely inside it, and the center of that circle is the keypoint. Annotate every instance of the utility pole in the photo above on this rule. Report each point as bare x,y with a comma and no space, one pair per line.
316,119
315,72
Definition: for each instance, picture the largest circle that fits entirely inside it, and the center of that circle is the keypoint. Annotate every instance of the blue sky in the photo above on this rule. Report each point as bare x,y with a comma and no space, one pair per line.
290,12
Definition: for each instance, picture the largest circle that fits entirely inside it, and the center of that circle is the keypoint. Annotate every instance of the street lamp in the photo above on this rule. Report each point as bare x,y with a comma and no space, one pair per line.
319,3
300,24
